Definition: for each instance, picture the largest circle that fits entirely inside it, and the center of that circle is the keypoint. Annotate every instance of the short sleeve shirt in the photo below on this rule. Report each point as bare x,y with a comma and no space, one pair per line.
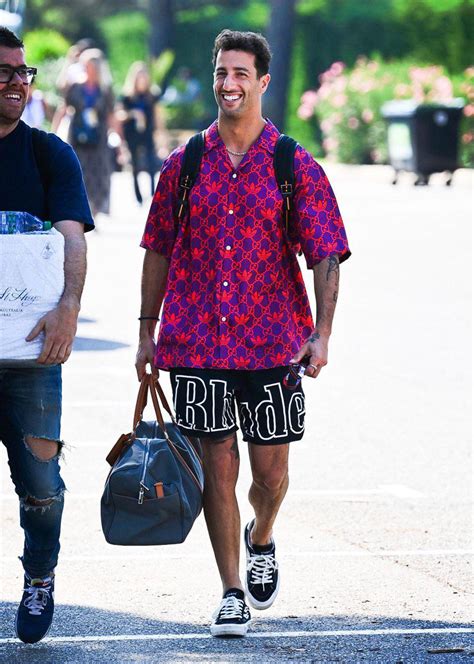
21,185
235,295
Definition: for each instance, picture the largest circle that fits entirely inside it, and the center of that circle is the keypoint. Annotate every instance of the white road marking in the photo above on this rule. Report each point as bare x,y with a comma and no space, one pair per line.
259,635
381,553
401,491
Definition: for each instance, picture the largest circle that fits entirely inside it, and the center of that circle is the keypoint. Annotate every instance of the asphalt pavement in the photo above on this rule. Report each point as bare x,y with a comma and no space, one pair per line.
374,539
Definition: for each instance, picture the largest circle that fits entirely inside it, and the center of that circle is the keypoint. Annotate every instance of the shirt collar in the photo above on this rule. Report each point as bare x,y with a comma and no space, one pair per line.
265,141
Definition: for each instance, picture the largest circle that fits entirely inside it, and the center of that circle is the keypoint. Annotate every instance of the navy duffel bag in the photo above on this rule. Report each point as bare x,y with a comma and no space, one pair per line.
153,493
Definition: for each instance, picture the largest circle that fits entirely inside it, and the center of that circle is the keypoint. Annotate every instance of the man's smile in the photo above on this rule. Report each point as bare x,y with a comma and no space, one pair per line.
231,98
13,96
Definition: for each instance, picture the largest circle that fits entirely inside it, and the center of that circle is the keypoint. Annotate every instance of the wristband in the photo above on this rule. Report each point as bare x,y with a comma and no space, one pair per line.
148,318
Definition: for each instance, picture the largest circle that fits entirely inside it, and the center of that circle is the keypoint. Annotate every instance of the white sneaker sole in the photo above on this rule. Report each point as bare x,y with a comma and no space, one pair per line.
261,606
230,630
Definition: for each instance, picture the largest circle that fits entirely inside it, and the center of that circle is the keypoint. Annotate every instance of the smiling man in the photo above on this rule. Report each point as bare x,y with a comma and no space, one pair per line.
39,174
236,313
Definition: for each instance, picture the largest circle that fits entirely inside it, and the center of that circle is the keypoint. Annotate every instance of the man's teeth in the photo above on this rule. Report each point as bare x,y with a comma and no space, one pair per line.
231,97
10,96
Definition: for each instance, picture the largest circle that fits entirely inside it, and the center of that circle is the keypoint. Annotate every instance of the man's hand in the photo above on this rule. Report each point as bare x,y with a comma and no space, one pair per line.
316,349
59,327
154,277
145,355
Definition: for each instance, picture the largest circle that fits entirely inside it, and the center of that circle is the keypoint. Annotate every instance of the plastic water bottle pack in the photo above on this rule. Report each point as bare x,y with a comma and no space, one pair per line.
12,222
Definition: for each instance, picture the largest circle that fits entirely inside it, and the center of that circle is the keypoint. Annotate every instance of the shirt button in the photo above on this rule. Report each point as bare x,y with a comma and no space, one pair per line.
228,247
223,319
234,175
231,211
226,283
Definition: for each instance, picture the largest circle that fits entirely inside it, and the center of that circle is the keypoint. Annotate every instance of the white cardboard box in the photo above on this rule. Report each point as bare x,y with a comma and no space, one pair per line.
31,284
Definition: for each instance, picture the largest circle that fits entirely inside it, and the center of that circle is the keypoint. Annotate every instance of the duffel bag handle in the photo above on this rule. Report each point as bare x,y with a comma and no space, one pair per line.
155,390
149,382
152,386
142,399
163,399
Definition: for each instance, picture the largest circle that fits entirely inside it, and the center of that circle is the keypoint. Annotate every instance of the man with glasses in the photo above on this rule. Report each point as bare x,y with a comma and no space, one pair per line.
48,185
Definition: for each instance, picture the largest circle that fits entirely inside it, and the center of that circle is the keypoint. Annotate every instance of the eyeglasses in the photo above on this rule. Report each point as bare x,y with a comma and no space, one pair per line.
26,74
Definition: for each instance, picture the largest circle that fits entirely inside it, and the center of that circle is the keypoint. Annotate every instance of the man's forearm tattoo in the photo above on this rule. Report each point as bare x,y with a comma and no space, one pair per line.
333,266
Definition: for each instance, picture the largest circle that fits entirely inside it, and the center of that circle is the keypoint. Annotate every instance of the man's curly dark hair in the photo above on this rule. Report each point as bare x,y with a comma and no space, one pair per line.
250,42
8,39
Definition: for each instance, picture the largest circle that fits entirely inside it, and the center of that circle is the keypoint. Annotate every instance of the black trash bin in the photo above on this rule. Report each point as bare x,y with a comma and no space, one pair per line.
423,138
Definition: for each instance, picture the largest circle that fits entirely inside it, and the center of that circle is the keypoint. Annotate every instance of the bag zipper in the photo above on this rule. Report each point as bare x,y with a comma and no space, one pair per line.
143,487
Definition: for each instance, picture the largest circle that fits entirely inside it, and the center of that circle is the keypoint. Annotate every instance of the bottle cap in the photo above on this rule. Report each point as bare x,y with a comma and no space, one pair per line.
47,225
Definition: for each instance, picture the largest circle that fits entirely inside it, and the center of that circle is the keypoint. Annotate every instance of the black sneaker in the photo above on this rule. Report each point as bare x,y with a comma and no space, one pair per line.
262,580
232,618
35,613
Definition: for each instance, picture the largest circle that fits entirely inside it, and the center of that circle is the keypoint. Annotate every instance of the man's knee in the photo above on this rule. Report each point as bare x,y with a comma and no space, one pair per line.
221,459
41,485
272,480
43,449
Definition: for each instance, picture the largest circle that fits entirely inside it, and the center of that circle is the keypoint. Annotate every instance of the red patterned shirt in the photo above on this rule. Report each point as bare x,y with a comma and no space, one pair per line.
235,296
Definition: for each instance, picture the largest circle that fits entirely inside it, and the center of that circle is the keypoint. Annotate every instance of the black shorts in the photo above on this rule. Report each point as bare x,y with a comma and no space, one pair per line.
269,412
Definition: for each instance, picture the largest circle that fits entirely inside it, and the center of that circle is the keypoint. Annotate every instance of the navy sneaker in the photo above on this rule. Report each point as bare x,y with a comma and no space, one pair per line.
232,617
35,613
262,580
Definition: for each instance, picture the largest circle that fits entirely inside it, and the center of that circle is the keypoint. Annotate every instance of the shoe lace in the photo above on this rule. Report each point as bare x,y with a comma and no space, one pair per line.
261,568
37,600
231,607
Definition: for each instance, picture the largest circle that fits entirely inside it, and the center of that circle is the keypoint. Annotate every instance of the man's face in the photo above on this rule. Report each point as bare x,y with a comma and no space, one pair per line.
237,89
13,95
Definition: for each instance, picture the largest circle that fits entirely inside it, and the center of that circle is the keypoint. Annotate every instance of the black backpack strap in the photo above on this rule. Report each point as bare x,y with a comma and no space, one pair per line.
189,171
40,143
284,166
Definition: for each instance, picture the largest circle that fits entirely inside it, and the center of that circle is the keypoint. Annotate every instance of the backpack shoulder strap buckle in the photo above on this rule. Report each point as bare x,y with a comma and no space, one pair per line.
189,171
286,189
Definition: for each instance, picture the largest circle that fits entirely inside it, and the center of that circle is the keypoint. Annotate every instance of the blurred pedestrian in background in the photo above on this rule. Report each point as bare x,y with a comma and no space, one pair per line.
139,116
71,72
73,69
92,100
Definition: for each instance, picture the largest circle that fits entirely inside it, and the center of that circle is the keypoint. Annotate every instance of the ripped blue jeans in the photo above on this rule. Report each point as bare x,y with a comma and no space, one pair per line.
30,405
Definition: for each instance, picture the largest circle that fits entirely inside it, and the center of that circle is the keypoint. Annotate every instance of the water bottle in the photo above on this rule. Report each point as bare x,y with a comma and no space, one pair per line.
21,222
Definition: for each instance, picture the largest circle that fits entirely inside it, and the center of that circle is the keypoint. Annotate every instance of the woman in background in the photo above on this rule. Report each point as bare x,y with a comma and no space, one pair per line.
138,113
93,103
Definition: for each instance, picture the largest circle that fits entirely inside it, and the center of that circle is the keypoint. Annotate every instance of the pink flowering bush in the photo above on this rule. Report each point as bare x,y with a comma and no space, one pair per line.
348,105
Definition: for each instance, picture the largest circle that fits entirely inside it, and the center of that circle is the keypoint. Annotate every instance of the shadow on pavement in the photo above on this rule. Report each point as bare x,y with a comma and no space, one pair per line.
86,343
283,643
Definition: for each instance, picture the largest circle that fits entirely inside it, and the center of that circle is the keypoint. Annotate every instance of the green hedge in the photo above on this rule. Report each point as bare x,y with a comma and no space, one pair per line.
43,44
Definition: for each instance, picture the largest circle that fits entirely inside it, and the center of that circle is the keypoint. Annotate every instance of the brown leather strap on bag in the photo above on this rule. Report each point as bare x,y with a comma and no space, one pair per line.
155,390
142,399
127,438
163,398
155,402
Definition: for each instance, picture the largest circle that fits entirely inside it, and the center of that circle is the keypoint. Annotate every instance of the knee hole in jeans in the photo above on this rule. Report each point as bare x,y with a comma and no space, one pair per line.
43,449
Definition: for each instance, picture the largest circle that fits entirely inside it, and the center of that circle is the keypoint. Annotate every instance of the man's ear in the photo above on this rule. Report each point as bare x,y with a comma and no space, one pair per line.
264,82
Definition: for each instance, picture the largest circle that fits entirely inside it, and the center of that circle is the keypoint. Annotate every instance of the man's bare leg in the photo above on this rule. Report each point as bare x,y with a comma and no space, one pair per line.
270,483
221,469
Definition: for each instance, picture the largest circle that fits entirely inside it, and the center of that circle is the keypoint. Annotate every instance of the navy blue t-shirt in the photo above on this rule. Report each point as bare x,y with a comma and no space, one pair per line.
21,185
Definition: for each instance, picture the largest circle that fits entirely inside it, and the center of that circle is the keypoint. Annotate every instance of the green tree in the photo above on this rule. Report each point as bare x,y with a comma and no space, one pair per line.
280,37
